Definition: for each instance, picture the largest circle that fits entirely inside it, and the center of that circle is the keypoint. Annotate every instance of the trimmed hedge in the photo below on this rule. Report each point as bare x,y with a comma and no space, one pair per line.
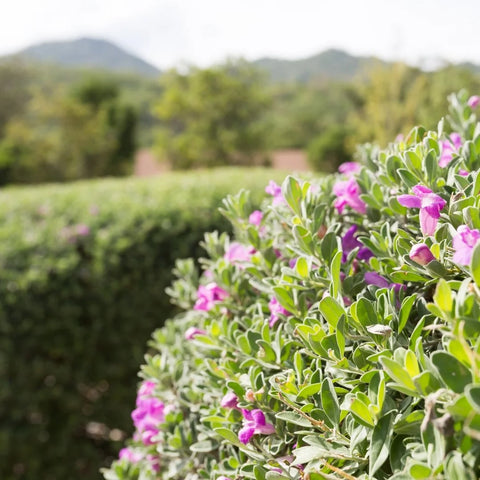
83,268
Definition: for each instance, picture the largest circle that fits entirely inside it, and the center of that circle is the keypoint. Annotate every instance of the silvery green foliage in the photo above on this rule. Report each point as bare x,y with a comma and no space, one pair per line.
372,368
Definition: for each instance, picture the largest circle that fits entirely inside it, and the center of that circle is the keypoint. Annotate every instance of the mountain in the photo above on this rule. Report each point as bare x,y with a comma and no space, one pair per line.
331,64
88,53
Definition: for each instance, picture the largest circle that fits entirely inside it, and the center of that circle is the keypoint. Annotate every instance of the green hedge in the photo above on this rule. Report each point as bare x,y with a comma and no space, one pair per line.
77,306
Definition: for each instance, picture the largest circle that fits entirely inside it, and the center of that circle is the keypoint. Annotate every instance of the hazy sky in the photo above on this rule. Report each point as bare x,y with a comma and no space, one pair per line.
168,32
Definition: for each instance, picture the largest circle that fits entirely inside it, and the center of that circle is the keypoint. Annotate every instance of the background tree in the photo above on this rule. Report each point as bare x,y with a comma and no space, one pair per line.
213,116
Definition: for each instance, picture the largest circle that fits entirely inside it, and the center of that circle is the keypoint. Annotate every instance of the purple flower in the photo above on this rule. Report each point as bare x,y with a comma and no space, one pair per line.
429,204
237,252
276,191
463,243
275,310
463,173
130,455
191,332
449,148
223,477
373,278
230,400
349,168
208,295
254,423
473,101
350,242
255,217
421,254
348,193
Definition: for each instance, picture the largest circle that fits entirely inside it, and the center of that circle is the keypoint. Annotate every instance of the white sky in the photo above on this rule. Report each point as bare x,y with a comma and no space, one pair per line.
167,32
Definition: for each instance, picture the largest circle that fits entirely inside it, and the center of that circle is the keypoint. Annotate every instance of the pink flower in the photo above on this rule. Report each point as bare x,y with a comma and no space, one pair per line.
130,455
463,173
421,254
208,295
191,332
254,423
223,477
276,191
349,168
82,230
230,400
146,389
473,101
238,253
275,310
429,204
148,415
348,193
449,148
255,217
463,243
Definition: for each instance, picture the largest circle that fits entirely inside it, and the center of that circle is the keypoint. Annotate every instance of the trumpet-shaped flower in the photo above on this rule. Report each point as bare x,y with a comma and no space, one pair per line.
254,423
208,295
275,310
350,242
348,193
130,455
421,254
255,217
430,205
449,147
192,332
230,400
473,101
276,191
349,168
237,252
464,242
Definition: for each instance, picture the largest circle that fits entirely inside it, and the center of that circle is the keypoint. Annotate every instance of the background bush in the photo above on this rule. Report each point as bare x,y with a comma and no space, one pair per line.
83,268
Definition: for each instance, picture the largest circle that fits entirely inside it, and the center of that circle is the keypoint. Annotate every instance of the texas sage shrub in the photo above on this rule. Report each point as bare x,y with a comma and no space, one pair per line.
336,335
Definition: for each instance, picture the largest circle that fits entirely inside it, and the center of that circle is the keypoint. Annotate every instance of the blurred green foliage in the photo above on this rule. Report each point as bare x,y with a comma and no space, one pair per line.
82,274
213,116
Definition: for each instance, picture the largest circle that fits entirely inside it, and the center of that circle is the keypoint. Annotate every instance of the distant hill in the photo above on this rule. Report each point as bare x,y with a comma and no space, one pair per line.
88,53
331,65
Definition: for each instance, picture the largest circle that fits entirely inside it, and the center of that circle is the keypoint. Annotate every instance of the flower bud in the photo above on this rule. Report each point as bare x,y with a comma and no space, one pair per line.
421,254
473,101
250,396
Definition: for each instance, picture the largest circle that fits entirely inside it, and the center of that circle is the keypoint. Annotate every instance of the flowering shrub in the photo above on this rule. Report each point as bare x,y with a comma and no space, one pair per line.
346,344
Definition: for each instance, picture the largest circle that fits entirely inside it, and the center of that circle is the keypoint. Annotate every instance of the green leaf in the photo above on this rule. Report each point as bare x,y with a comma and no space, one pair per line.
293,417
475,262
331,310
380,443
330,402
292,193
204,446
405,310
453,373
302,267
309,390
397,372
285,298
361,412
329,247
420,471
472,393
443,296
304,455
